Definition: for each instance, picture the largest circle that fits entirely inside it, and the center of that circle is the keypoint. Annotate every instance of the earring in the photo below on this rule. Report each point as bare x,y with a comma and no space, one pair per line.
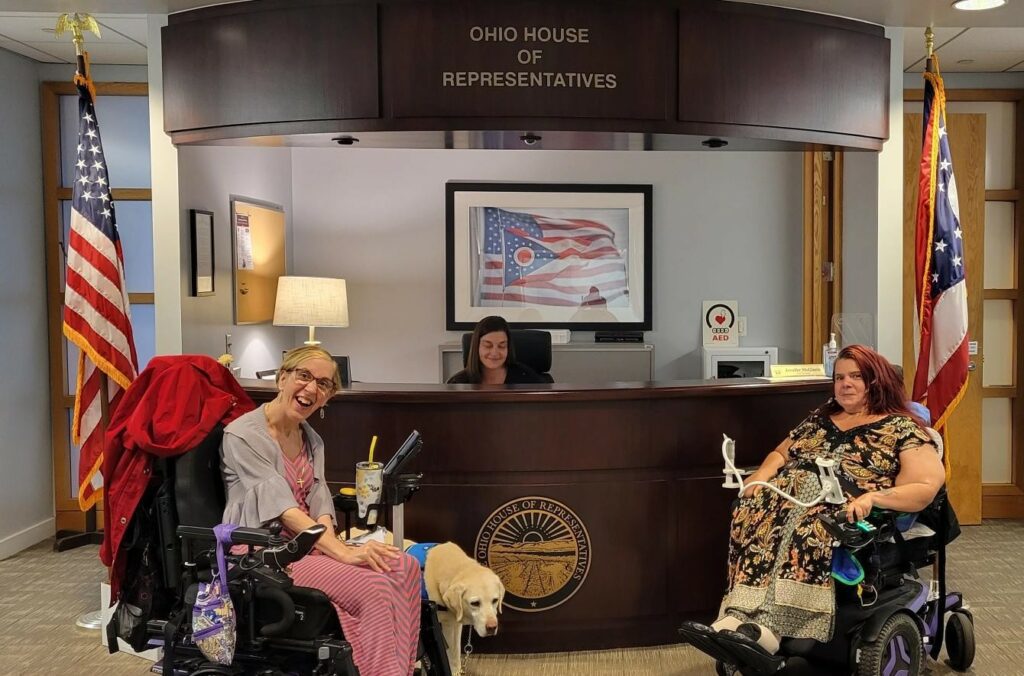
322,411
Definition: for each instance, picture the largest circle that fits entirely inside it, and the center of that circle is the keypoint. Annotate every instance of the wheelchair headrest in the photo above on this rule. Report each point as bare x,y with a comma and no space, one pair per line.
198,485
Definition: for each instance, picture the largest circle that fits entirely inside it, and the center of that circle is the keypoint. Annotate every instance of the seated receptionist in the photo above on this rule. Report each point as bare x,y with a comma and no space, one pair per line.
491,359
273,466
780,558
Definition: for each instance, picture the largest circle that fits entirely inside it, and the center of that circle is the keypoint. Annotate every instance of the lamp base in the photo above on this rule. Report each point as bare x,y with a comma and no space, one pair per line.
311,342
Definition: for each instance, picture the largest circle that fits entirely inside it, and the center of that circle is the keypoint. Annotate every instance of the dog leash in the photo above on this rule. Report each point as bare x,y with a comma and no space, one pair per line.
467,649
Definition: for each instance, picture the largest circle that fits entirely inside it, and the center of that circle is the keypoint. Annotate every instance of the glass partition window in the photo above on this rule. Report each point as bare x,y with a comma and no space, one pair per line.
124,128
123,110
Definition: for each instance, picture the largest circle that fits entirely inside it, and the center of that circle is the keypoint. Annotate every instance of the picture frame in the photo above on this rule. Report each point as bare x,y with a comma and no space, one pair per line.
202,271
549,256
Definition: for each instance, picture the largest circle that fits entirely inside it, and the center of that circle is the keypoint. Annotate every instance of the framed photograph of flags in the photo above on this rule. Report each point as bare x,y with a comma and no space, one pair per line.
549,256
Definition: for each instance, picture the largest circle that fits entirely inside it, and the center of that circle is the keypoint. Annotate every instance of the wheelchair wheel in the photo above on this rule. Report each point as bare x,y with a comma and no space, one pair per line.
897,650
960,641
723,669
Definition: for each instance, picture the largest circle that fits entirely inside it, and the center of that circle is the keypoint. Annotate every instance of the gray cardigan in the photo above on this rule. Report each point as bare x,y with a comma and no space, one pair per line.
252,465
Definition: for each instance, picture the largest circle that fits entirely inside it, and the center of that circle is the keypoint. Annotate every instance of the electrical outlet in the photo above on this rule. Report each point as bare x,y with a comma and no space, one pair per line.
741,326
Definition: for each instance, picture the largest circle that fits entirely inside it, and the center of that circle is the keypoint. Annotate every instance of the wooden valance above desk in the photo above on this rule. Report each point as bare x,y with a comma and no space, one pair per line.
559,74
600,506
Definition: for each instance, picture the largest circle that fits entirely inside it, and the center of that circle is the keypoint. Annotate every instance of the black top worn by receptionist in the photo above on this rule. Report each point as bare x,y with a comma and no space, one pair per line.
515,374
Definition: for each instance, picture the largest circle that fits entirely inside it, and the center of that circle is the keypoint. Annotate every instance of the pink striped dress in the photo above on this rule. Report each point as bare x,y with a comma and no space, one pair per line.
379,612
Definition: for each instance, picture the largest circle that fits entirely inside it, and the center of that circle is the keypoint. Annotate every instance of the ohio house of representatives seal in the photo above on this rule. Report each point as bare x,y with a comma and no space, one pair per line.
539,548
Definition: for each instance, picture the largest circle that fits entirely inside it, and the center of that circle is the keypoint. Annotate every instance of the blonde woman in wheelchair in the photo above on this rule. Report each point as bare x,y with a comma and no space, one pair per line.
273,467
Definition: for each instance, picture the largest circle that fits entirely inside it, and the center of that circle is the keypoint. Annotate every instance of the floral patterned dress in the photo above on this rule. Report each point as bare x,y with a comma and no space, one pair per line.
780,556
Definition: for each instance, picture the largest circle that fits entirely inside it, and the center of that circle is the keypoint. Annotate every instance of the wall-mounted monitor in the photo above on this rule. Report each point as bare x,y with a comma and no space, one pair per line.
739,362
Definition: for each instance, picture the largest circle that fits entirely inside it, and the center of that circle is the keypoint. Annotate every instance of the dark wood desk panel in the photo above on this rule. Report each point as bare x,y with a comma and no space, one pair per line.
638,464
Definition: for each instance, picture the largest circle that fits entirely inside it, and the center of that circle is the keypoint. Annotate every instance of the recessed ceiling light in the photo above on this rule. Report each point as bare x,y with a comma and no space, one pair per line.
973,5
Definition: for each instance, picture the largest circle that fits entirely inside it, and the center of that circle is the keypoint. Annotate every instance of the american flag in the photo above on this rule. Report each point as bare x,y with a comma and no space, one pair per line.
941,378
96,314
534,259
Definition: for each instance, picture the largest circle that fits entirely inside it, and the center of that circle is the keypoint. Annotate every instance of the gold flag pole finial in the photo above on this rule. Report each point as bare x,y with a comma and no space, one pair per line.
76,23
929,41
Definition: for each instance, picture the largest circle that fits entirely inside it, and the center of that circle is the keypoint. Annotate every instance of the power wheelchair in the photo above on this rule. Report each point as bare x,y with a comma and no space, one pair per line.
281,628
890,627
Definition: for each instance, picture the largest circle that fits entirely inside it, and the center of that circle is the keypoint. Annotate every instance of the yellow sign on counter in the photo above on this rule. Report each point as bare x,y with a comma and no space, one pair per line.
798,371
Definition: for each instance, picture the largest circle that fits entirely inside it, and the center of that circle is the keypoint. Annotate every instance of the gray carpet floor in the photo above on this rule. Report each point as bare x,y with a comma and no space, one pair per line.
43,592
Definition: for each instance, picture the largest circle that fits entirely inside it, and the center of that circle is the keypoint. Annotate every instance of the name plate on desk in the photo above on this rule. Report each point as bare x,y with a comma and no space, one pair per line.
798,371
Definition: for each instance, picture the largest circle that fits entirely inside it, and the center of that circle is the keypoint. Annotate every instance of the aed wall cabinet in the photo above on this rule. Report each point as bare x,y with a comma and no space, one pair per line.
739,362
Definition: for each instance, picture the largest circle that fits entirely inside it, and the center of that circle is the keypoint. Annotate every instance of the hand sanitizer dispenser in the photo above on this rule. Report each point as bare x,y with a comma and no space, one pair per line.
829,352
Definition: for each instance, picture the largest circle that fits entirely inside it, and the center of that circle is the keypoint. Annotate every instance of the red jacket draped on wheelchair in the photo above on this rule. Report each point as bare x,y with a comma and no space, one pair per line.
175,403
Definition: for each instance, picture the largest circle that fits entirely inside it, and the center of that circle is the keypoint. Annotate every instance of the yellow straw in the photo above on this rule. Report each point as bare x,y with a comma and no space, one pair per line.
373,445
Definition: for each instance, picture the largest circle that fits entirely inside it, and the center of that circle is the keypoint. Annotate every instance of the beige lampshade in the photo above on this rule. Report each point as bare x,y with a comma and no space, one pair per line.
312,302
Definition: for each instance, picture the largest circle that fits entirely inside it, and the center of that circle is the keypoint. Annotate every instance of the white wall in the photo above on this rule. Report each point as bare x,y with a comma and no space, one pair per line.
26,482
208,177
873,225
167,249
727,225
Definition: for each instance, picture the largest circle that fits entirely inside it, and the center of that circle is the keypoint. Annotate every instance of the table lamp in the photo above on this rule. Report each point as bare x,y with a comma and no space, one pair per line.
312,302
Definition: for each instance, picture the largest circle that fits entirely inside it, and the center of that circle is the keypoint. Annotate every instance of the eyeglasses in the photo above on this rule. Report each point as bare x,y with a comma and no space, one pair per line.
304,377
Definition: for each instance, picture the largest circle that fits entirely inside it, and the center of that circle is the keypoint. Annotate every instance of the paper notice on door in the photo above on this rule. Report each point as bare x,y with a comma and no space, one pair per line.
243,243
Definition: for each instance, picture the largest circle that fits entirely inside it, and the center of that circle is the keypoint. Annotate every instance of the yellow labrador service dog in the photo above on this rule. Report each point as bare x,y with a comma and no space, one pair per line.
472,594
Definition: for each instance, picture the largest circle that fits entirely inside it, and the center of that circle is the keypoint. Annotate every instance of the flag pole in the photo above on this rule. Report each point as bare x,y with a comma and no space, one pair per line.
76,23
65,540
936,586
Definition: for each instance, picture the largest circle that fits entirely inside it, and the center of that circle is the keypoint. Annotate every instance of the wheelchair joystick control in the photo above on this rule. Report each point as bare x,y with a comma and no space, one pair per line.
281,555
851,535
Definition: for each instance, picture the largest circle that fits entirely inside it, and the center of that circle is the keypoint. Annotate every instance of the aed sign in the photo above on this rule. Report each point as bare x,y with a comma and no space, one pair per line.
719,322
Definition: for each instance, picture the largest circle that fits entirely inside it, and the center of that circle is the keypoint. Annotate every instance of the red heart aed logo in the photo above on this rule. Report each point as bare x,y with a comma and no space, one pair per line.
720,319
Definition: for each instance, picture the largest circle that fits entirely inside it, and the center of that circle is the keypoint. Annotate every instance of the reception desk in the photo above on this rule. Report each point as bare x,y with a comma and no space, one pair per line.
601,507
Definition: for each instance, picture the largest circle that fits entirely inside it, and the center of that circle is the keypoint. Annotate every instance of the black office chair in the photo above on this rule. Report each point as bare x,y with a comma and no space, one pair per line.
531,347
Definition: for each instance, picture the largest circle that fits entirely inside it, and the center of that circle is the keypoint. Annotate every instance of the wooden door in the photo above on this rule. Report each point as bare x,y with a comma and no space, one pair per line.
966,133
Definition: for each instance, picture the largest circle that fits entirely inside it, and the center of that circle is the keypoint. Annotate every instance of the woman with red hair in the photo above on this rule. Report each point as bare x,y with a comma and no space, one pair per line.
780,556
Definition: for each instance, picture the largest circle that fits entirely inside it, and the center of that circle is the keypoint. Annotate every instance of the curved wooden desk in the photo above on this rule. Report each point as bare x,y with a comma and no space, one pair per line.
602,506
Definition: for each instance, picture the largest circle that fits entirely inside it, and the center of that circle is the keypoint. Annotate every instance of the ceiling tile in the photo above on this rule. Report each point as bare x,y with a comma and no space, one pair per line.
132,27
39,27
30,52
99,52
989,50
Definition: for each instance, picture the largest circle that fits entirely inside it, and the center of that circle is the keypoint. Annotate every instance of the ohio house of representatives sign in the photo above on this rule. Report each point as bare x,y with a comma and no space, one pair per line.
539,548
528,59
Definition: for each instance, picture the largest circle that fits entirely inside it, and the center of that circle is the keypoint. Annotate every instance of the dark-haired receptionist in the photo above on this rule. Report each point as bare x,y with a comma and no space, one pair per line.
491,359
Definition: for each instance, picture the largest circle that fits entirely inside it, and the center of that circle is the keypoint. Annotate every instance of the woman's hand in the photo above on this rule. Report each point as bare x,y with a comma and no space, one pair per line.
374,555
859,508
751,491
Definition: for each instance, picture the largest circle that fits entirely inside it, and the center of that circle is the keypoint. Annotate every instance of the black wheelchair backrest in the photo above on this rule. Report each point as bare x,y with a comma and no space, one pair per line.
198,486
